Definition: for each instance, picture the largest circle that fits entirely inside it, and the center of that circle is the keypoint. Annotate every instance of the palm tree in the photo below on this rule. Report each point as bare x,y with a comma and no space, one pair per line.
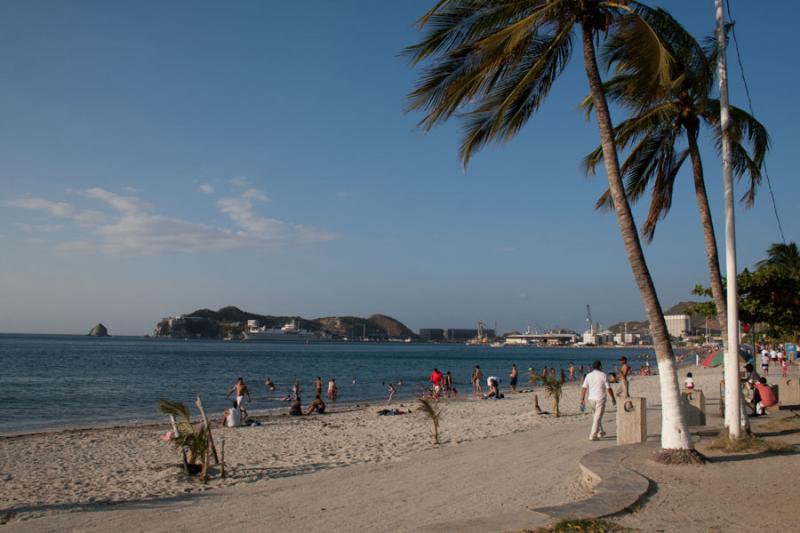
783,256
553,387
662,119
495,61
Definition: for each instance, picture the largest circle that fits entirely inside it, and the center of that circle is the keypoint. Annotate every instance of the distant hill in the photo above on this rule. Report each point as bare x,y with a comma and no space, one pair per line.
230,322
698,321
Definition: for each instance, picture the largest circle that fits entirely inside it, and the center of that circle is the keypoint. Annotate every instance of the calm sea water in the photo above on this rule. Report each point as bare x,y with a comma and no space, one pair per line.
50,381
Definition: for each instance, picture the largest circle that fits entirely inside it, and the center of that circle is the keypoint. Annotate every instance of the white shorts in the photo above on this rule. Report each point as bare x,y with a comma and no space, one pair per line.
239,401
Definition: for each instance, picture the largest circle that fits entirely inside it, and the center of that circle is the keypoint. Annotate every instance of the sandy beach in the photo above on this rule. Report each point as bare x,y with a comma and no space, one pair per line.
349,470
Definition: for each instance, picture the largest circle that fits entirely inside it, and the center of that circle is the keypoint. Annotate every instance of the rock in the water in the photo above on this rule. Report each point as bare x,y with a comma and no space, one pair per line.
99,331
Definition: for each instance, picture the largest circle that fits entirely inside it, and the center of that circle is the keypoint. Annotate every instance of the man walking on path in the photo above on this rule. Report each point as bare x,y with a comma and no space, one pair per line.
596,383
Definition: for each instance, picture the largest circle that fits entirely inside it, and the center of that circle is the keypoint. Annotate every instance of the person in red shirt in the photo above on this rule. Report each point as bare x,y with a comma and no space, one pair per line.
763,397
436,379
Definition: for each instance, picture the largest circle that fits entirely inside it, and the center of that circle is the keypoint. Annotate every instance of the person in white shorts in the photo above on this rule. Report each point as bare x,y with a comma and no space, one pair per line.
596,384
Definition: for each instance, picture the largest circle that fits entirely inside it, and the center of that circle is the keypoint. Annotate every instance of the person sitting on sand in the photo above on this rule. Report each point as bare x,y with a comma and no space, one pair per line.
612,377
232,417
296,409
494,392
763,397
317,405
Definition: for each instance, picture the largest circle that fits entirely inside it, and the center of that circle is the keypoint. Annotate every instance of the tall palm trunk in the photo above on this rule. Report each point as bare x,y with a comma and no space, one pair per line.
717,292
674,435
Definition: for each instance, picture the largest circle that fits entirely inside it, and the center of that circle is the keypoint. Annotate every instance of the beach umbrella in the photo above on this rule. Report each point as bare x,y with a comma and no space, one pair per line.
717,358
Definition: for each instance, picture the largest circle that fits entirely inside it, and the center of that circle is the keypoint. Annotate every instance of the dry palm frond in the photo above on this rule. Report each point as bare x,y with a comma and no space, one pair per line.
749,443
434,412
588,525
194,441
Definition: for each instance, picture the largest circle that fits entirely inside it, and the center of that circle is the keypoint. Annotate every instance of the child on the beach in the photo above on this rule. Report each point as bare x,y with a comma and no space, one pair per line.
689,381
391,393
784,367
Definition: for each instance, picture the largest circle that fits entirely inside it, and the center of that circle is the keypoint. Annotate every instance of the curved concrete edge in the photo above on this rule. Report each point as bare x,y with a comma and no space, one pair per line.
616,488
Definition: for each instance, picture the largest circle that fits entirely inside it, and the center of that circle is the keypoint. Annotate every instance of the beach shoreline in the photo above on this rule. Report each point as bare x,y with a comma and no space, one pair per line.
118,464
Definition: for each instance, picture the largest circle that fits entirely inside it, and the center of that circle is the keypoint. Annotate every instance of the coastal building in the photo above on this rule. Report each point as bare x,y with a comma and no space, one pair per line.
463,335
452,334
678,325
431,334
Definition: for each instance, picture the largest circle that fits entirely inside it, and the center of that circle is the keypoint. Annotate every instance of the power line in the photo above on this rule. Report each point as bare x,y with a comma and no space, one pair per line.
750,106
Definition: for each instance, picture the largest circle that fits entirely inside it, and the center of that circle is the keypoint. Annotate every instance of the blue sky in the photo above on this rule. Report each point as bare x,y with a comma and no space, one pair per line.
159,157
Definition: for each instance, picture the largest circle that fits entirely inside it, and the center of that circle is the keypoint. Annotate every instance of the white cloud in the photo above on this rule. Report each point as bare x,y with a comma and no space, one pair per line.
43,228
239,183
343,194
206,188
56,209
255,194
132,228
124,204
241,211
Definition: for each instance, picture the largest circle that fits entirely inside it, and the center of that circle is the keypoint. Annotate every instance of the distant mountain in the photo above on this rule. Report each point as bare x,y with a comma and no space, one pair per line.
230,322
698,321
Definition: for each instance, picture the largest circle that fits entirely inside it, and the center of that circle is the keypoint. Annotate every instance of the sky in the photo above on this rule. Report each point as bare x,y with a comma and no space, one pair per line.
160,157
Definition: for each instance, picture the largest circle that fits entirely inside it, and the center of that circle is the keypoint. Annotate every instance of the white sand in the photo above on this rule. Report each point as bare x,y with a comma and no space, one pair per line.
496,457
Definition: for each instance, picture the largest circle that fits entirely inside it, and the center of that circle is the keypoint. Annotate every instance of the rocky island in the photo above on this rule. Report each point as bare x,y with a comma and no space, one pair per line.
230,323
99,331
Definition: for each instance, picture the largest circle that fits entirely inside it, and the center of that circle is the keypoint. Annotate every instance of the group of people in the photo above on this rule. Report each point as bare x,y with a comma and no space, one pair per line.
237,415
773,355
759,394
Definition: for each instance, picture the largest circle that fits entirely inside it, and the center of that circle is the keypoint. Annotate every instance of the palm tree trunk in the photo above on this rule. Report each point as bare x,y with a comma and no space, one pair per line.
674,435
717,292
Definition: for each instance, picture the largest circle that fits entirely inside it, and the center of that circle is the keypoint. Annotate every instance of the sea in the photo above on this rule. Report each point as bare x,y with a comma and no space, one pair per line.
69,381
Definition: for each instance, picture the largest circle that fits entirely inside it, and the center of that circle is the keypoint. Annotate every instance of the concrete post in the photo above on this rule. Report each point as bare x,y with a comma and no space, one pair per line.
693,406
631,421
788,392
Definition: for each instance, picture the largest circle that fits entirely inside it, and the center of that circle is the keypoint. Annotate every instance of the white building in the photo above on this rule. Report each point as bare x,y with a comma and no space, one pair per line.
678,325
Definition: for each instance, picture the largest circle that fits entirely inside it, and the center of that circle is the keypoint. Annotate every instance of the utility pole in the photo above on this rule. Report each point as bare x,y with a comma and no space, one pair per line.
732,389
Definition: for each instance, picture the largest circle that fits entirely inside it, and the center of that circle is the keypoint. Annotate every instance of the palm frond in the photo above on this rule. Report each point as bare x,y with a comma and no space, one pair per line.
434,413
518,94
744,130
661,199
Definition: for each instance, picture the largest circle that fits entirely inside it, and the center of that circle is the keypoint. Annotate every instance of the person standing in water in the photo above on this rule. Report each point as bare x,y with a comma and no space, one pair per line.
332,390
477,378
513,377
241,390
270,385
318,385
392,390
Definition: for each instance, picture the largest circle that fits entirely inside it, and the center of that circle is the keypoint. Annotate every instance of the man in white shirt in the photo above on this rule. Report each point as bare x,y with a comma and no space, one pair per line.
596,383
